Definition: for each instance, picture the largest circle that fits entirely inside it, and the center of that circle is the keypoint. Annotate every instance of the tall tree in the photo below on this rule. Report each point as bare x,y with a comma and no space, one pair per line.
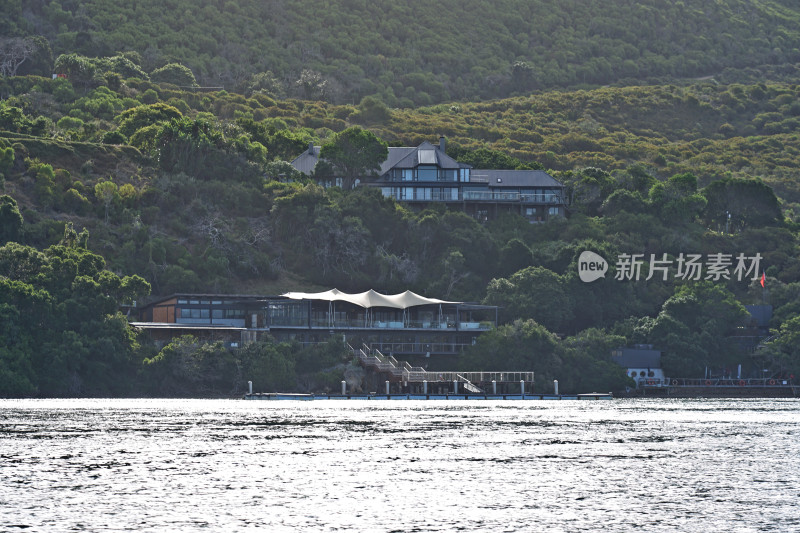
13,53
741,203
10,220
354,153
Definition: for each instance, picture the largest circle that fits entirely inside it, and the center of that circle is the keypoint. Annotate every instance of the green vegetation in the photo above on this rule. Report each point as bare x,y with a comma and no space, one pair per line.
62,333
675,128
412,54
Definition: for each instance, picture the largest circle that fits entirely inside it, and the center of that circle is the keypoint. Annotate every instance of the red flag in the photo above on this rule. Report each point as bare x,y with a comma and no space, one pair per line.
763,278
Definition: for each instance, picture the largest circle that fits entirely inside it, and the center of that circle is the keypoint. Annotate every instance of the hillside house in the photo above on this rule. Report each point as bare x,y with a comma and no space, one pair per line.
424,175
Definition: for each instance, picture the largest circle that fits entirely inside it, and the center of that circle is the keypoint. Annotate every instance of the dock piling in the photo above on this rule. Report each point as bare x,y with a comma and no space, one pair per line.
344,388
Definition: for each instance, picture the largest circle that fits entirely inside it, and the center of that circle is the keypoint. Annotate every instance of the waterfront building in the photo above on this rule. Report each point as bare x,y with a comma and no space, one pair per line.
642,364
423,331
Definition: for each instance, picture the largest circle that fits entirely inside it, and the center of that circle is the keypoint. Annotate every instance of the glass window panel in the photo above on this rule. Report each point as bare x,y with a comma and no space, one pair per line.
427,173
427,157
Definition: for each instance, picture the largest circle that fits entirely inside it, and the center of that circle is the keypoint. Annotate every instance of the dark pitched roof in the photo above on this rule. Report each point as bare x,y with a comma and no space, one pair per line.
306,161
637,358
396,154
516,178
425,154
399,157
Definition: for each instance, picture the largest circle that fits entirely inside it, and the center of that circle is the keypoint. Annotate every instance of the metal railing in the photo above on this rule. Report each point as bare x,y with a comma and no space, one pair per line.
402,370
434,196
420,347
360,323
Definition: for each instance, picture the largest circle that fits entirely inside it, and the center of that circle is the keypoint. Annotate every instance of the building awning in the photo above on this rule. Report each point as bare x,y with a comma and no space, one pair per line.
369,298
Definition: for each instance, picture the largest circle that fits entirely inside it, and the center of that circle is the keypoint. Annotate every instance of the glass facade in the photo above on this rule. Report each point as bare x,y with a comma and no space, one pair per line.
288,313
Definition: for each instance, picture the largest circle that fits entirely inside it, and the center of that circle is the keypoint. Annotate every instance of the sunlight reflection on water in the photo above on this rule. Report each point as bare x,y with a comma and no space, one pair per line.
156,465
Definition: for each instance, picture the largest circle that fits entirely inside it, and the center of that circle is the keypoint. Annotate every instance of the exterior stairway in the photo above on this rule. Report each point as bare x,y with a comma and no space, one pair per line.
403,371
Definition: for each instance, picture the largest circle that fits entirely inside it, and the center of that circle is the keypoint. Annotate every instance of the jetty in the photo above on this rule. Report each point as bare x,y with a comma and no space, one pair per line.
375,396
405,382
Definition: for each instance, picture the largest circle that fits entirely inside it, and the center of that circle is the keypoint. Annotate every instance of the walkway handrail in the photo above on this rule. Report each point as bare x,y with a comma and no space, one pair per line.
403,370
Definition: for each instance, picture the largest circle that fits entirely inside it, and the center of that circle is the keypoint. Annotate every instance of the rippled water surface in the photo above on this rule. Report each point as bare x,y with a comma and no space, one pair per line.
551,466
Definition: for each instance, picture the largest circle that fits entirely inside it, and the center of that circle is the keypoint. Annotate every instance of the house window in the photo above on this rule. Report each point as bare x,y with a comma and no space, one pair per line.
447,175
195,313
552,211
427,157
427,173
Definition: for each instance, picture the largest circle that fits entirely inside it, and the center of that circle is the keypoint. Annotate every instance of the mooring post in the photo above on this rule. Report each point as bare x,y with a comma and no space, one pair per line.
555,386
425,387
249,387
455,386
522,387
494,386
387,388
344,388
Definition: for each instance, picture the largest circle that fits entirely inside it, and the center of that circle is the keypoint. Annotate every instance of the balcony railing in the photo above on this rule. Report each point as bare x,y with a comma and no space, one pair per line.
354,323
477,196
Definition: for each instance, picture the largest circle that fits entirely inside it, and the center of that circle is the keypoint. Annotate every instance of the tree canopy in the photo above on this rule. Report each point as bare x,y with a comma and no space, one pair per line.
353,154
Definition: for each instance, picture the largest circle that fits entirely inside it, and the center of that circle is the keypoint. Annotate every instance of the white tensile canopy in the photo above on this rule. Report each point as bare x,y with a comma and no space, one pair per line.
369,298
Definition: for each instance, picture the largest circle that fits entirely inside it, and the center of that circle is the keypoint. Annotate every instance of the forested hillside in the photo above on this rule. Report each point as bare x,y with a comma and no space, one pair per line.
158,161
418,52
192,192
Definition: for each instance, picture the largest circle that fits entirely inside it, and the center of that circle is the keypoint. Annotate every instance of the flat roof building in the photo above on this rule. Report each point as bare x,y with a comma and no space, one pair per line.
406,325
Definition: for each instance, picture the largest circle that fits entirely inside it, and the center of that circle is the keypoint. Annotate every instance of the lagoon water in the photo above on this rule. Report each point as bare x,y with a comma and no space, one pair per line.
545,466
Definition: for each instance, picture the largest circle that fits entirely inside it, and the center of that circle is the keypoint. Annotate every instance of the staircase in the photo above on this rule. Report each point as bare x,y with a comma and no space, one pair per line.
402,371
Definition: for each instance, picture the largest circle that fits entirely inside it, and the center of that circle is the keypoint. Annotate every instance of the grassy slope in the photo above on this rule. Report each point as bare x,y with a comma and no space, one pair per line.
417,52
